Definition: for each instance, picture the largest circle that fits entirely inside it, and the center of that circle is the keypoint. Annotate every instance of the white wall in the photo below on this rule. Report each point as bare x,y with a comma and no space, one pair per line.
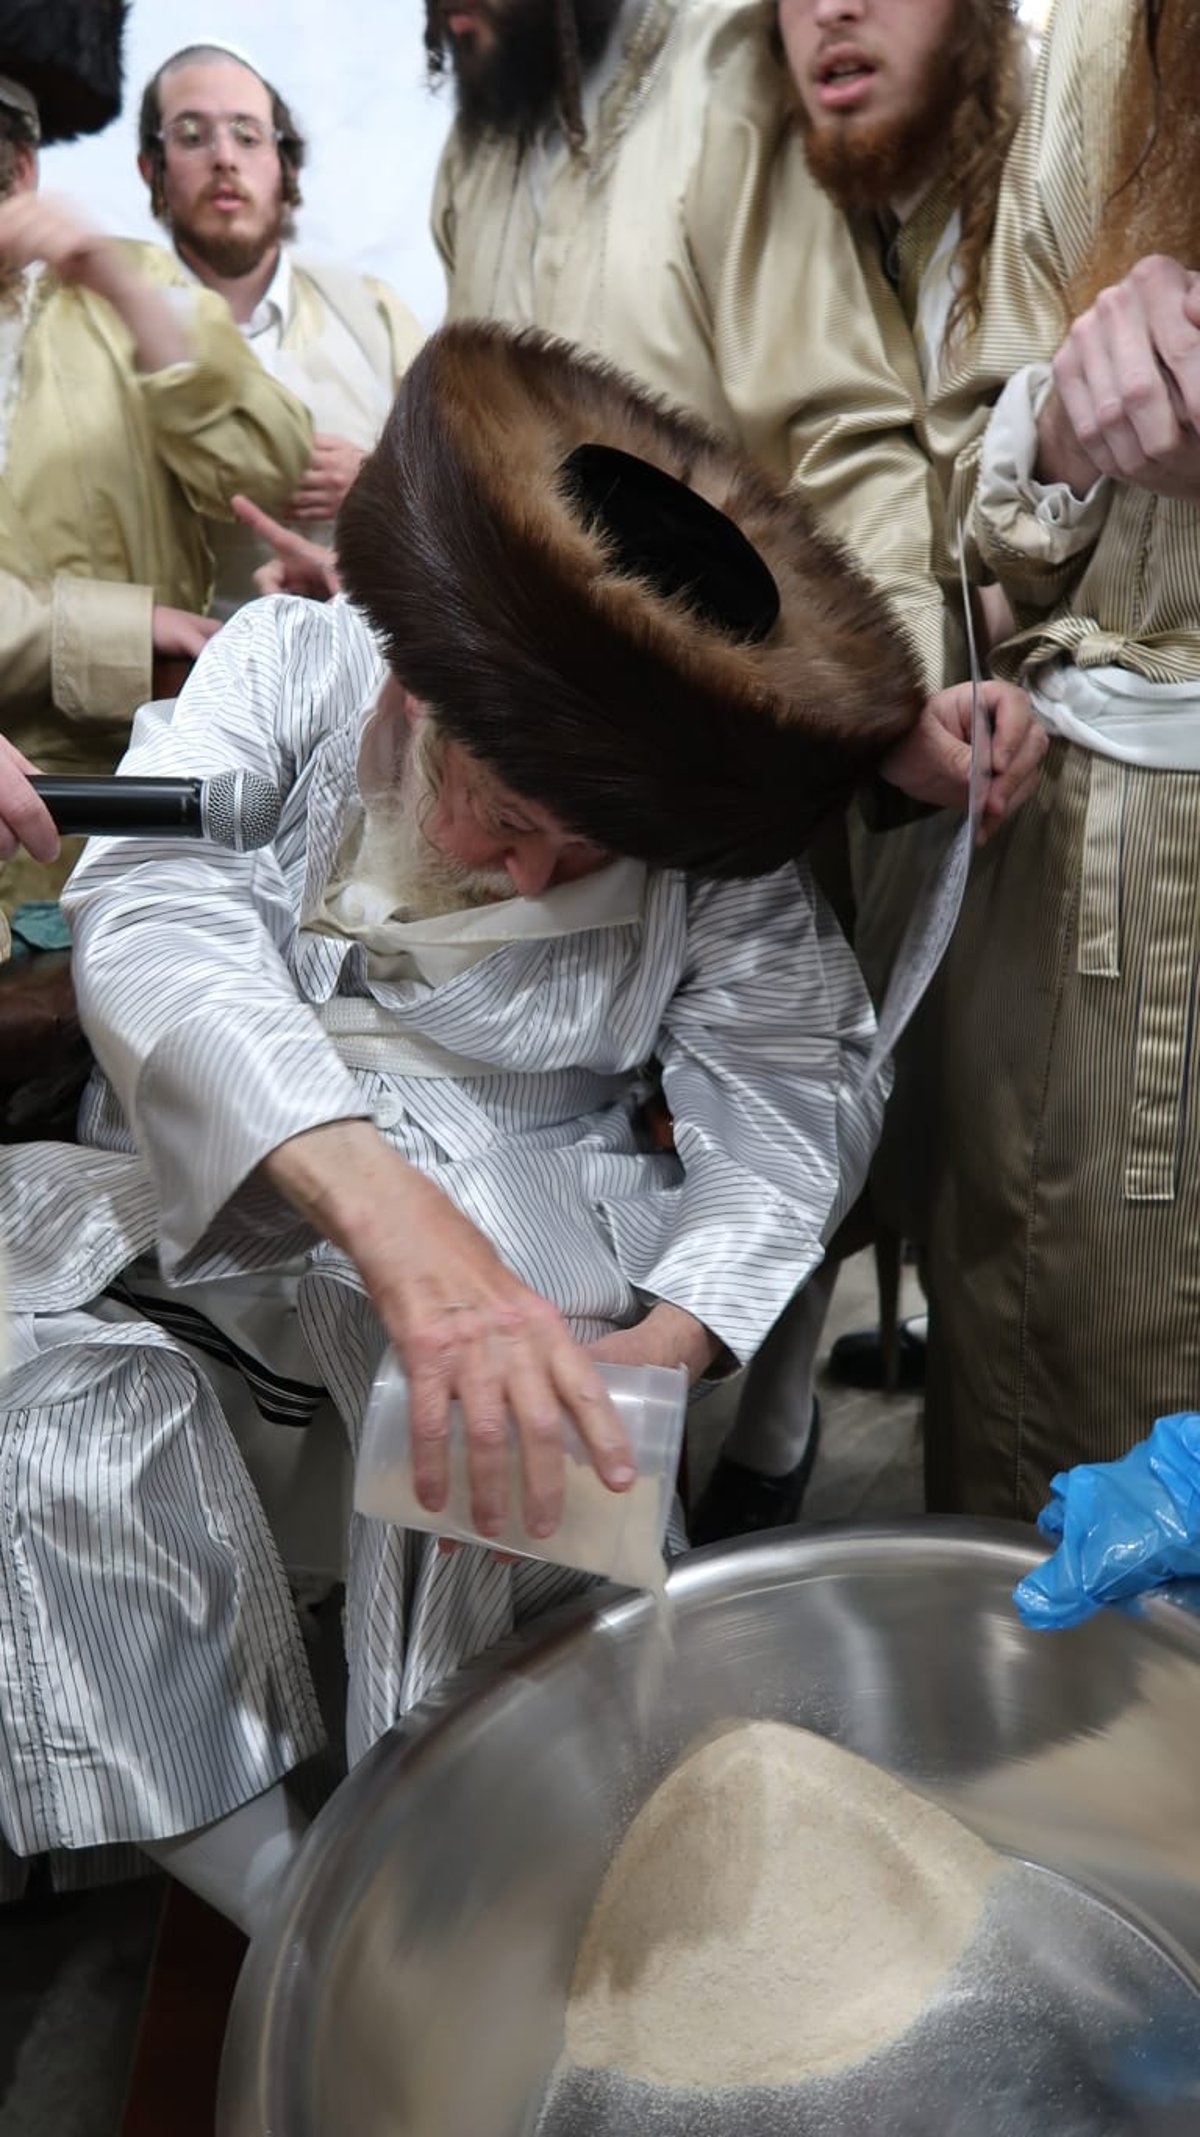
353,72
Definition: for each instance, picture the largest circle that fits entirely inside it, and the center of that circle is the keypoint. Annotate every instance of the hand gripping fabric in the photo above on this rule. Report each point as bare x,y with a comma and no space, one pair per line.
1122,1528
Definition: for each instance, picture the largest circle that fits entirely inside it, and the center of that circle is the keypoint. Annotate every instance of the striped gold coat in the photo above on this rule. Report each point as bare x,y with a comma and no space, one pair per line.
1065,1259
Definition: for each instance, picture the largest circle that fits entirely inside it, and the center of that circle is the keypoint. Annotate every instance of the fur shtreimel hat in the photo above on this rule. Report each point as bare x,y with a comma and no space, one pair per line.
616,612
67,53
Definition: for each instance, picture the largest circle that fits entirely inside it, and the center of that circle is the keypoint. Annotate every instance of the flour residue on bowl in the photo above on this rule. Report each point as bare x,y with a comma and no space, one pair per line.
779,1910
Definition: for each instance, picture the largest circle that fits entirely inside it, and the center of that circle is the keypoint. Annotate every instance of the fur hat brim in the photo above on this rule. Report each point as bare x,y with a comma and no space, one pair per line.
67,53
503,606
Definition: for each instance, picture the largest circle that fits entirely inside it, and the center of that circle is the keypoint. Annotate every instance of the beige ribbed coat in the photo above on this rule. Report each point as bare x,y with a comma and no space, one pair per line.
1065,1284
1136,599
107,476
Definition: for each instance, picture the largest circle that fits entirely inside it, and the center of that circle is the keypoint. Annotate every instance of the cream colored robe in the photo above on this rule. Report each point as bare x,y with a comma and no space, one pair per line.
108,473
690,246
345,343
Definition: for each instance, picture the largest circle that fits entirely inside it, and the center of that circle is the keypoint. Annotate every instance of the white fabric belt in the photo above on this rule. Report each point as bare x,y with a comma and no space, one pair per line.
371,1038
1118,714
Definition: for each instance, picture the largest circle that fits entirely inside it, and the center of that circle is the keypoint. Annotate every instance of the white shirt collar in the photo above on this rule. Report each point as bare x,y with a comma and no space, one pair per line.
274,306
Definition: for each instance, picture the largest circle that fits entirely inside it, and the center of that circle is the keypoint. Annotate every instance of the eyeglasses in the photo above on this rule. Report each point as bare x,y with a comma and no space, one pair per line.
195,136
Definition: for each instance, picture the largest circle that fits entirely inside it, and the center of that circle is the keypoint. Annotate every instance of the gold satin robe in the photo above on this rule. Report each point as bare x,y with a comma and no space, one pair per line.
1065,1285
108,475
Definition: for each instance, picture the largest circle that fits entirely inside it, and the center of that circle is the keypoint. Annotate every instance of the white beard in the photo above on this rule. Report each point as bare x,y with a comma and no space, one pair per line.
394,862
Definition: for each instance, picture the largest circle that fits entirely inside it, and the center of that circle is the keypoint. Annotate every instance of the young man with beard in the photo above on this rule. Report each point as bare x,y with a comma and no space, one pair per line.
907,114
128,408
629,174
625,173
1063,1266
222,156
387,1078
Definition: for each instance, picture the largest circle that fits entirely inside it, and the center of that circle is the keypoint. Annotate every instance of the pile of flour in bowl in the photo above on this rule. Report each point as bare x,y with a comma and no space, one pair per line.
779,1910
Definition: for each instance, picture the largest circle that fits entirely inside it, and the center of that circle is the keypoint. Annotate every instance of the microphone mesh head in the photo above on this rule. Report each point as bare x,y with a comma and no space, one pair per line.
240,810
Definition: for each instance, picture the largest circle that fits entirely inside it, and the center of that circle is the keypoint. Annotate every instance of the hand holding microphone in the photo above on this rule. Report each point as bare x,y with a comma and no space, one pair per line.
24,820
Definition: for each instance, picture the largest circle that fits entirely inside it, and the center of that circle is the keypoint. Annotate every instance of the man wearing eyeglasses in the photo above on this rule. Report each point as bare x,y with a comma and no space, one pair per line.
130,413
222,155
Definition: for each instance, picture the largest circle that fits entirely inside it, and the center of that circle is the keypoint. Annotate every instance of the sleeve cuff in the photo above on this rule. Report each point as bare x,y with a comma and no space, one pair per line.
101,648
1044,520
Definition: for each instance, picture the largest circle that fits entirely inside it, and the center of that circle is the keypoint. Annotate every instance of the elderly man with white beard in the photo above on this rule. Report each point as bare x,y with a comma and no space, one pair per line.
547,788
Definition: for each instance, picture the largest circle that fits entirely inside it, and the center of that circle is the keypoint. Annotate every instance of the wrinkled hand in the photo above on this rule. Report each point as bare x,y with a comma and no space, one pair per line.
667,1336
38,227
464,1326
24,818
1121,1528
300,566
179,635
332,471
933,763
1126,398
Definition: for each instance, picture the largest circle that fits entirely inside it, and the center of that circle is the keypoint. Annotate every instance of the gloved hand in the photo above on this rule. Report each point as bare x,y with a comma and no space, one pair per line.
1122,1527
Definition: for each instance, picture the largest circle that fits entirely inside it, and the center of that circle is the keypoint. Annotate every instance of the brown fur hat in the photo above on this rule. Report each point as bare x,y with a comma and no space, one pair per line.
502,604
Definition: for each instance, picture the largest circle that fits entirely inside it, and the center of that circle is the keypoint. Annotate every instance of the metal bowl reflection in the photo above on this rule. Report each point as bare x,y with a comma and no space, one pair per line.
413,1983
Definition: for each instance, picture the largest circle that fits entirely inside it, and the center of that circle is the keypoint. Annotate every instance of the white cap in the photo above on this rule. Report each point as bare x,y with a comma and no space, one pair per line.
217,44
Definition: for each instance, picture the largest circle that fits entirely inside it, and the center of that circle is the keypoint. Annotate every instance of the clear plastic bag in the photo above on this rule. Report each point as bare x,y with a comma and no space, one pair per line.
618,1535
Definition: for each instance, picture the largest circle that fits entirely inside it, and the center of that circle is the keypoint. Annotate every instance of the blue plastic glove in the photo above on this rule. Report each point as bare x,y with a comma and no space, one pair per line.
1122,1527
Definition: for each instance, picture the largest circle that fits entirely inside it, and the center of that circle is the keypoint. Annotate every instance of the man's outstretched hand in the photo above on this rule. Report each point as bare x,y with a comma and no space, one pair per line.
464,1326
299,566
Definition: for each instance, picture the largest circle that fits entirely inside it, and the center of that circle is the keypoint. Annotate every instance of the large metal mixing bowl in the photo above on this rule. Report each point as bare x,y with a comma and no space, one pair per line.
413,1984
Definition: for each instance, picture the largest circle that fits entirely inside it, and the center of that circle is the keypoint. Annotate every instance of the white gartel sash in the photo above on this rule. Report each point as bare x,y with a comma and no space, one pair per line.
371,1036
1128,724
1117,714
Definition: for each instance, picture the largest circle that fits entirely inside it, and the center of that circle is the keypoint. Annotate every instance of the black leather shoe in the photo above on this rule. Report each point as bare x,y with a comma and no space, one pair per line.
737,1501
856,1360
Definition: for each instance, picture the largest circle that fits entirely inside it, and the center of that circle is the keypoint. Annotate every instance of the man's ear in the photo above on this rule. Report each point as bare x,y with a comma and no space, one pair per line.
384,739
400,701
25,168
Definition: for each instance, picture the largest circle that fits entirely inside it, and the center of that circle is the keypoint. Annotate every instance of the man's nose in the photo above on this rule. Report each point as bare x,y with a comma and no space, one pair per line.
828,13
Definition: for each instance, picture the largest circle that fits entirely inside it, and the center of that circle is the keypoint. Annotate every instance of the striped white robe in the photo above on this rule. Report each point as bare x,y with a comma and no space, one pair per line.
153,1673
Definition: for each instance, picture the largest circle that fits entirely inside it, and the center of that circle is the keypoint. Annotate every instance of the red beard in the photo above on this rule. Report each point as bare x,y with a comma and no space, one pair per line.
866,168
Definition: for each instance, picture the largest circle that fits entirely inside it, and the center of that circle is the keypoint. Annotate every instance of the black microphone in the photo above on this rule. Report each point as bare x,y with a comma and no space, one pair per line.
232,809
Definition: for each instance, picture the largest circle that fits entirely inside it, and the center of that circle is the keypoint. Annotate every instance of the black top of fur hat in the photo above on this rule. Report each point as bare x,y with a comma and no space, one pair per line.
68,53
658,530
616,611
